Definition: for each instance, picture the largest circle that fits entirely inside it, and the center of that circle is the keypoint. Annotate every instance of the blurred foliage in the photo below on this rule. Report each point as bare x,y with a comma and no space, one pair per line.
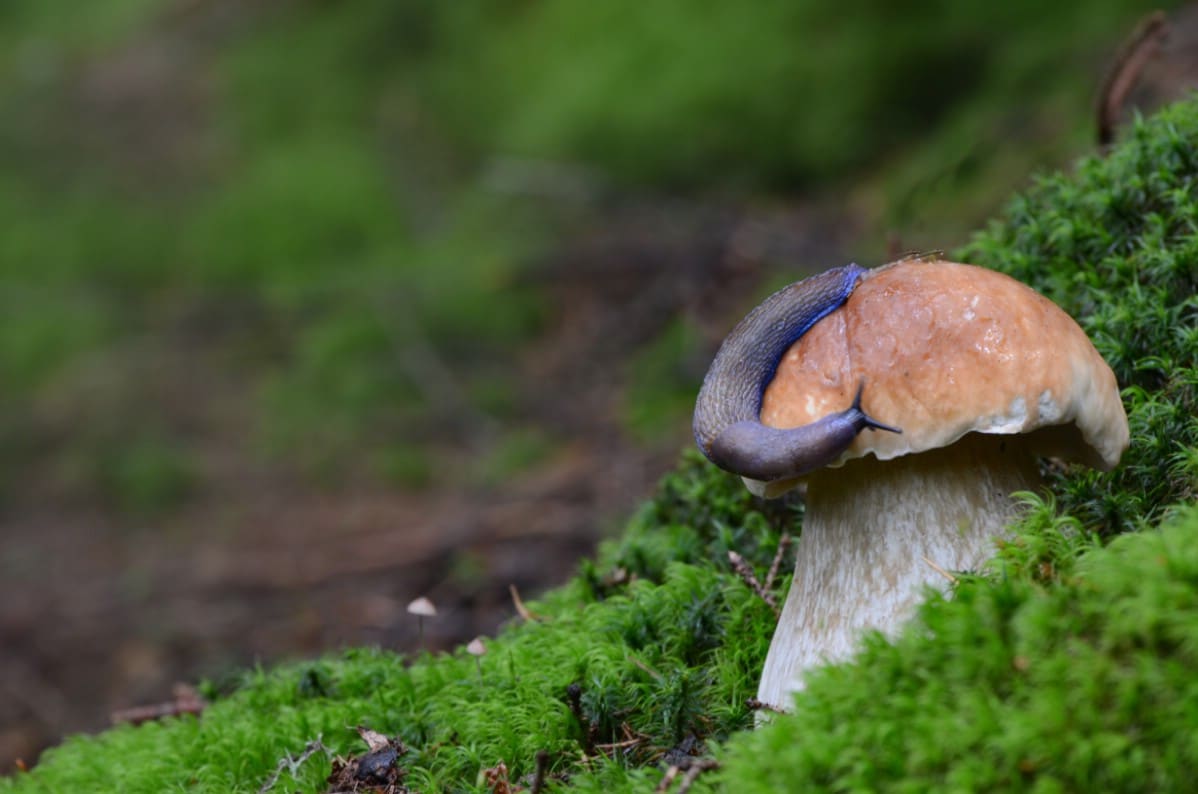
713,95
47,29
304,204
145,475
662,379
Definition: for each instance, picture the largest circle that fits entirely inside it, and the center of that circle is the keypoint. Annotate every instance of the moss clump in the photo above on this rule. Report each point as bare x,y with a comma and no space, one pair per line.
1085,683
1068,666
642,646
1116,246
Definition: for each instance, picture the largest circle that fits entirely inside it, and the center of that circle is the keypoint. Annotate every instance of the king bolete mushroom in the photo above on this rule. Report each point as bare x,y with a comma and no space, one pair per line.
962,376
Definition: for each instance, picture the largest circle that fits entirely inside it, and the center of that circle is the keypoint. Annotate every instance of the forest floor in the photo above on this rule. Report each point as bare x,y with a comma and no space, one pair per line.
262,565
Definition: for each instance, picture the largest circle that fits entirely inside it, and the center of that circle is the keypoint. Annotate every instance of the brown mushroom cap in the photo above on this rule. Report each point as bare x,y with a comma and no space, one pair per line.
947,349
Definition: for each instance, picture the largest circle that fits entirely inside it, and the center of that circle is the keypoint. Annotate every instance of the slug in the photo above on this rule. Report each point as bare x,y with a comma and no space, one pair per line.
727,424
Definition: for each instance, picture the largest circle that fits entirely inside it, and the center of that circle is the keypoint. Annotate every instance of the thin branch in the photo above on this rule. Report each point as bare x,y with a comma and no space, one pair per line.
589,731
698,767
745,572
538,778
694,767
187,701
783,546
521,609
292,765
761,705
952,579
1137,51
667,780
658,676
633,742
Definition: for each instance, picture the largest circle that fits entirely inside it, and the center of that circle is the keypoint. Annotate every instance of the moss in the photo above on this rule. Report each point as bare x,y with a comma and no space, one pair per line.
1084,683
663,661
1067,666
1116,246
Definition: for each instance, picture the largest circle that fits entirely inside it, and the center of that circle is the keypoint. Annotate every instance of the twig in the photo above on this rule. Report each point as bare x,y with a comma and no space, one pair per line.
538,777
746,574
761,705
658,676
697,767
783,545
952,579
521,609
633,742
292,765
1135,54
574,697
187,701
694,767
667,780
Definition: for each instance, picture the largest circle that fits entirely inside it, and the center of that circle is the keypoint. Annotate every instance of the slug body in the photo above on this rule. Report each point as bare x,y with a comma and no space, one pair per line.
727,423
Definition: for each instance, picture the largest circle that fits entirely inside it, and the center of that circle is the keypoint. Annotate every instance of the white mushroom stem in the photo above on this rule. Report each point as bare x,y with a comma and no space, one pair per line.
874,536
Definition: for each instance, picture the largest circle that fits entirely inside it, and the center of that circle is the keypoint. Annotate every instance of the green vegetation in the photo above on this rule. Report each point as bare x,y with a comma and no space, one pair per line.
1115,245
725,96
661,384
1082,683
671,629
1066,666
327,221
51,30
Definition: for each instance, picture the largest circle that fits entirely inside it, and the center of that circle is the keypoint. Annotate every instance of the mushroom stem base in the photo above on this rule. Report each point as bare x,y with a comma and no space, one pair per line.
875,535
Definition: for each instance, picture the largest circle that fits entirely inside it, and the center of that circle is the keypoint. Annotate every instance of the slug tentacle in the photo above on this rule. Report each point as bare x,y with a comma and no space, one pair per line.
867,421
727,426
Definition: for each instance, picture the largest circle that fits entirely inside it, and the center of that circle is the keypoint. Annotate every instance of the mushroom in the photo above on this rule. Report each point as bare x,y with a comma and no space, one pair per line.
422,608
980,373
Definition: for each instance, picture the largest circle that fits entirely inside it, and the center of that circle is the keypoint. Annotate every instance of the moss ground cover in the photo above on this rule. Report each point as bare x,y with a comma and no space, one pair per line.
1069,665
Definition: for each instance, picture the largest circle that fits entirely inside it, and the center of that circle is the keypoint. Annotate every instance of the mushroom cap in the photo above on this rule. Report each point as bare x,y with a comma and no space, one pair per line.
422,607
947,349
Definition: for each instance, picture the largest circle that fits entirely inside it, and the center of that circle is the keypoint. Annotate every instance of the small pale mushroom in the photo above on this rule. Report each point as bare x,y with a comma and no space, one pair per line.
979,373
478,649
422,608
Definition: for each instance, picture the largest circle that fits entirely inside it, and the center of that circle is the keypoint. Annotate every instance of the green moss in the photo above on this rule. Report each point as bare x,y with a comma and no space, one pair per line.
1084,683
1116,245
1069,667
686,646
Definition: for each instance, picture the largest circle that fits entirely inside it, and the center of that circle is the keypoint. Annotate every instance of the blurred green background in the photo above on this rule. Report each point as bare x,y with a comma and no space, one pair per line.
308,307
